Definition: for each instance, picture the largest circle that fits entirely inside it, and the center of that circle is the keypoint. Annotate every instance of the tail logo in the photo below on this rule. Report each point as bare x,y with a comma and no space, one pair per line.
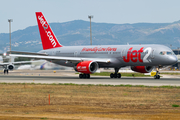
47,31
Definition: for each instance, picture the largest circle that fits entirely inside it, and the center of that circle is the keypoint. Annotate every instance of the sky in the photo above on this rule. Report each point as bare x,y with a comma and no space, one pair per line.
104,11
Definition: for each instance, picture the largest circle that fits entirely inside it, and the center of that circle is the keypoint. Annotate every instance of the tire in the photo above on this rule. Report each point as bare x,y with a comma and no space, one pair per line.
111,75
119,75
7,71
80,76
155,77
84,75
88,76
4,71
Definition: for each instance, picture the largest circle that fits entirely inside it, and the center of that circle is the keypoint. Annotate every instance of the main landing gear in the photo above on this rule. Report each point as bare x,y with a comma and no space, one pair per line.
6,69
116,74
157,76
84,75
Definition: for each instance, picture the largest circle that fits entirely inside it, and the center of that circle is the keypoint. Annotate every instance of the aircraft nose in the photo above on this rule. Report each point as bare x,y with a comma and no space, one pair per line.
173,59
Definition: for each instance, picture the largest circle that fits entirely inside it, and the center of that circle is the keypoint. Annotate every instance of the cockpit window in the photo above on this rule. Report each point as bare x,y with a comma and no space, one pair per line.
166,53
169,53
162,53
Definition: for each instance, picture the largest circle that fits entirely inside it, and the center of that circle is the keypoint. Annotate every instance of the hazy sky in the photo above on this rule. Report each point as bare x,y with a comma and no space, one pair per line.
104,11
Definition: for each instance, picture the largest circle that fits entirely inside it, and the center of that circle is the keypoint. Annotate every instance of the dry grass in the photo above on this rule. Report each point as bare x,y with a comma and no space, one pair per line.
30,102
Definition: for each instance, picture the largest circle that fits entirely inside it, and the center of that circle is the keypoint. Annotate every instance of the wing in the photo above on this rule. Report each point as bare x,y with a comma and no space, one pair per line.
68,59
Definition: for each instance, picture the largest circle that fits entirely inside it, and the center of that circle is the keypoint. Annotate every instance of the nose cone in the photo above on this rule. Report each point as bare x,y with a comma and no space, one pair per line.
173,59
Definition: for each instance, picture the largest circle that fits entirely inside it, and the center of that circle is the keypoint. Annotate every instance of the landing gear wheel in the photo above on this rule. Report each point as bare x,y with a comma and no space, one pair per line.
80,76
7,71
115,75
157,77
111,75
87,75
118,75
84,75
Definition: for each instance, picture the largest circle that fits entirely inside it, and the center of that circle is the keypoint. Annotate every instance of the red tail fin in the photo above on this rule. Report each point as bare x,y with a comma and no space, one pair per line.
48,38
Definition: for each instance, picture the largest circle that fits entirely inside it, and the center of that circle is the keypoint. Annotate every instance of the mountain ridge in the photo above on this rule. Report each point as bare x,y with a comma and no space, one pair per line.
77,33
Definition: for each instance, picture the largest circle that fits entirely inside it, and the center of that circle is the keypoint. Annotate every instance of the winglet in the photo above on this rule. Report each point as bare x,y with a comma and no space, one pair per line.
48,38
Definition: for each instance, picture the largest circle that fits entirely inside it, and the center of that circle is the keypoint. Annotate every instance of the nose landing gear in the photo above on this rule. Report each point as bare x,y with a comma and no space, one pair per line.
157,76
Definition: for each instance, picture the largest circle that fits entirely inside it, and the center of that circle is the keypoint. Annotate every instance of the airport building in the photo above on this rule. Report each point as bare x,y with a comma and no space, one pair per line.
176,51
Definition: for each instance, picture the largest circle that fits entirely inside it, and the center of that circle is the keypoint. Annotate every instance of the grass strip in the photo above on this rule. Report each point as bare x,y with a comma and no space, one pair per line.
174,105
166,73
107,85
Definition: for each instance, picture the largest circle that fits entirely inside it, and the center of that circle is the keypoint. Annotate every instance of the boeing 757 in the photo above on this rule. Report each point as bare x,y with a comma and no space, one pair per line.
87,59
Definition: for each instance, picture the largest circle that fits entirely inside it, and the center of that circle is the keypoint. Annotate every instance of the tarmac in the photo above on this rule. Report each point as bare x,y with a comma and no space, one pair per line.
69,76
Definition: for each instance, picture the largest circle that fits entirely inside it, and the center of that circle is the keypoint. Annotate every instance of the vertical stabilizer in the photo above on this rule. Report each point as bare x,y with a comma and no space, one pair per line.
48,38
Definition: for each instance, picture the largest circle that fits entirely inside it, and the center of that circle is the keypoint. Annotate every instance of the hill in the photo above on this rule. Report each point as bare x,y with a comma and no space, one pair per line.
77,33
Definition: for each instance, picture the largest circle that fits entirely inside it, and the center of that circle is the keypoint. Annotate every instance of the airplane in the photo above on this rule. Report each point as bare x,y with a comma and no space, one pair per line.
87,59
10,65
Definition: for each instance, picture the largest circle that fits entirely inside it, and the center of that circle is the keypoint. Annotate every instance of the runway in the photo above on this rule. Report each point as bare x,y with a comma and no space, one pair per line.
93,80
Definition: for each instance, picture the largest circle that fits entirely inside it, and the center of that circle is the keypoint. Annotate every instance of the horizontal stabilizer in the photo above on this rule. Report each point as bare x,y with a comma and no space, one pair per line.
26,53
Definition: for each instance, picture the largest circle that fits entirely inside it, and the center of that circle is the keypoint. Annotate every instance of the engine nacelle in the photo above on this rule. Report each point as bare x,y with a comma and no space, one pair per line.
87,67
142,69
10,67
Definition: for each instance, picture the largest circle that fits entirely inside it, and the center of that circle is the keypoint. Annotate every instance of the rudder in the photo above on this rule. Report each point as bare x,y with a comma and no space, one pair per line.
48,38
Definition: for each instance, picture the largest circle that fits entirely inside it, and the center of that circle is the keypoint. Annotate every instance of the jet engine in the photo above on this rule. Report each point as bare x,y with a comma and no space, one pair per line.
86,67
142,69
11,67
